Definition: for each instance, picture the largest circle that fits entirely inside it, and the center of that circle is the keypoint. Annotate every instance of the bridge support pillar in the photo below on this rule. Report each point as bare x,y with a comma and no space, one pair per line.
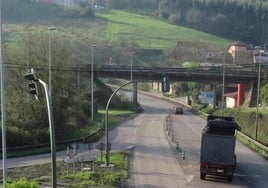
135,92
215,96
240,95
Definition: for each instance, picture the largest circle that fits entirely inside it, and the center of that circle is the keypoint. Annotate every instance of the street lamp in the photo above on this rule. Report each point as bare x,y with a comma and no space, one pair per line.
92,80
131,70
223,84
49,58
107,145
131,64
258,93
3,114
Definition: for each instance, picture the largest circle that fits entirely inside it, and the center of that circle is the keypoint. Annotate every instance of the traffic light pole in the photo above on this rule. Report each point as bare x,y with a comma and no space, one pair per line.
34,91
52,134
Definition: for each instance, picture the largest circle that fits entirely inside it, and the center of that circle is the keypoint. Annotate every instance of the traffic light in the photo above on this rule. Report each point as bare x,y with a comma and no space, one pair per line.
33,90
165,84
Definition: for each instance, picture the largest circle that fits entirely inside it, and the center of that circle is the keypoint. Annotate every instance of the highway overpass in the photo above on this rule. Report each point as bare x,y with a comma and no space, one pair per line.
205,75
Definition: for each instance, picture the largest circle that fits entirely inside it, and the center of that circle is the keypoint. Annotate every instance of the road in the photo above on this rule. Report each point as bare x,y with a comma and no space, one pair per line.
251,171
156,162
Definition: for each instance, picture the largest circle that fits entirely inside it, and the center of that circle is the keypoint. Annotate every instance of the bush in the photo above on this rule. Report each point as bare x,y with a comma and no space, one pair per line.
164,15
174,18
22,183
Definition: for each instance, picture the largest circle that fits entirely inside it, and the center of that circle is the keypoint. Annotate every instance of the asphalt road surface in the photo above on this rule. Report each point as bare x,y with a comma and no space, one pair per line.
251,170
156,162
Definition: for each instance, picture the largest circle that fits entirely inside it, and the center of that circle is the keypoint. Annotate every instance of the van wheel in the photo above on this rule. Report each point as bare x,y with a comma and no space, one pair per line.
202,176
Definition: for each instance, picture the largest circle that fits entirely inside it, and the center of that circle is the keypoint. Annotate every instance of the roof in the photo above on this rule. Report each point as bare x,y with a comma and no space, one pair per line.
238,43
231,95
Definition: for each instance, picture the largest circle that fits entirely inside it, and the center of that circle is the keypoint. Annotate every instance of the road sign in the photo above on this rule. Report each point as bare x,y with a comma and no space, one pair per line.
207,97
69,159
87,158
166,84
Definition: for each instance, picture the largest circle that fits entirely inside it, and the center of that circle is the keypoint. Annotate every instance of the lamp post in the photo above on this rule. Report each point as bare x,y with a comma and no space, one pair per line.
3,114
49,58
258,94
131,70
107,163
92,80
131,64
223,84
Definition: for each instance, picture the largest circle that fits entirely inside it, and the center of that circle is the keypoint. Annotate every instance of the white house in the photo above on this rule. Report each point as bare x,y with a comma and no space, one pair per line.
231,99
261,57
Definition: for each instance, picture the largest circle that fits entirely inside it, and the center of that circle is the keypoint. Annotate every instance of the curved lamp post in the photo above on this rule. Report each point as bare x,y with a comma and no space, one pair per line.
107,163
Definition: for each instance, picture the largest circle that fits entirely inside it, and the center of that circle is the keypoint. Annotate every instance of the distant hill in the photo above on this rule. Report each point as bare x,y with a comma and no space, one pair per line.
244,20
156,40
151,33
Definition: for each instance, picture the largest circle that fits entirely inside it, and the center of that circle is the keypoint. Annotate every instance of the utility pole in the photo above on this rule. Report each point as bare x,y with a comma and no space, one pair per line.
3,110
223,85
92,82
131,74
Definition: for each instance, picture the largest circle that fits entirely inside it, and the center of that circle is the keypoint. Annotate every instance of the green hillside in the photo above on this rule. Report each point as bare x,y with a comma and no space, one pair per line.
150,33
152,39
146,32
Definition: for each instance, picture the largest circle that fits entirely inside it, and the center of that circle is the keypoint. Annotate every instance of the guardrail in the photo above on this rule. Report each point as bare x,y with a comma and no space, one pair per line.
250,140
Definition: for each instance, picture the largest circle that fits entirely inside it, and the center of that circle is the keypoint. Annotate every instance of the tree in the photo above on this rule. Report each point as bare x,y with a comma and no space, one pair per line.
27,123
195,17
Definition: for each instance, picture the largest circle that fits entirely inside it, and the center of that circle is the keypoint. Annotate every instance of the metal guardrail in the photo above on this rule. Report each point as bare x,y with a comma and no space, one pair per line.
259,145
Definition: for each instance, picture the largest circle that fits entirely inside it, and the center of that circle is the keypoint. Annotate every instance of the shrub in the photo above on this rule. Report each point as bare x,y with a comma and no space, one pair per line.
22,183
174,18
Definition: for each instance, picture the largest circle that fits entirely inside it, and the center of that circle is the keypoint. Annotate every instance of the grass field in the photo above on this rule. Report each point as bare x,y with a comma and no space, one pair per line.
118,29
151,33
147,32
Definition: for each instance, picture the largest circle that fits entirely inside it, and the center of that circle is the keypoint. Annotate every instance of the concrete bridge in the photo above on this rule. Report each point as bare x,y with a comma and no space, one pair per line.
204,75
209,75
